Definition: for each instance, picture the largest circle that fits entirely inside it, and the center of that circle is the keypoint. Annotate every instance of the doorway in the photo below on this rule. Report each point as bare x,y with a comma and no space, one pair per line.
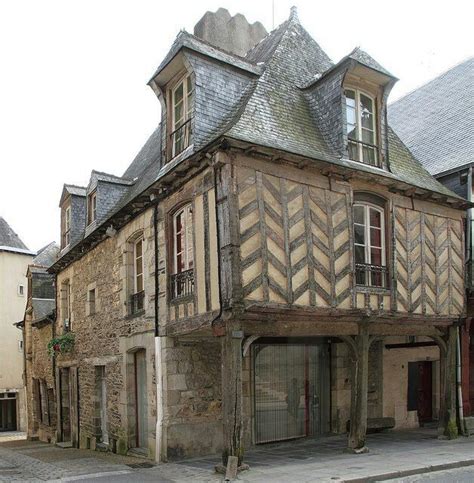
8,411
65,395
102,396
420,390
291,390
141,399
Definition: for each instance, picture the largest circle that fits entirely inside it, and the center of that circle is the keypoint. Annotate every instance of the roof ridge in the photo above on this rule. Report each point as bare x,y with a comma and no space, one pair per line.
428,82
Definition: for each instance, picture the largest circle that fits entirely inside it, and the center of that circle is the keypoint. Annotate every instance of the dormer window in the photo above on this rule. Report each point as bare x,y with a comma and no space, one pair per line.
66,227
92,207
181,115
361,127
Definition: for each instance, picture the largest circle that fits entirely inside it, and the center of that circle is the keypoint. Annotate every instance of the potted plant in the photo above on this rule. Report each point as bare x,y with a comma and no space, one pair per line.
61,344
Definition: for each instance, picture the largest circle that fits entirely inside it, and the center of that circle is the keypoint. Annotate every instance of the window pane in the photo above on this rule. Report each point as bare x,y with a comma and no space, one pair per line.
359,254
359,234
359,214
139,248
376,256
376,237
367,136
375,218
367,120
368,155
366,105
361,276
353,151
178,94
350,98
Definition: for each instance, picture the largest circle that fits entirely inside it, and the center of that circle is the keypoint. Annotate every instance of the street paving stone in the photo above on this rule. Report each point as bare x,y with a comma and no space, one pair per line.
309,460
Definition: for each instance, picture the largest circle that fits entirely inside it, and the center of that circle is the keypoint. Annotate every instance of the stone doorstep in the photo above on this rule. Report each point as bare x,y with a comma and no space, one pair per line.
403,473
64,445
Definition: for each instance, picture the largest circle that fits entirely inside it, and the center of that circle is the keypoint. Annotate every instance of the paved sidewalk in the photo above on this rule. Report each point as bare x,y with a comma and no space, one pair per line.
392,454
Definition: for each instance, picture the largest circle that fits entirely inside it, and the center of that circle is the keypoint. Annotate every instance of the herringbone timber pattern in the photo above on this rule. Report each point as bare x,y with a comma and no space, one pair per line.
295,242
401,259
429,265
341,214
457,274
428,261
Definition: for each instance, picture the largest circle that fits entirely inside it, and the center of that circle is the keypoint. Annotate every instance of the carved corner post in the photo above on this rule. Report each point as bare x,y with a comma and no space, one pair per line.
359,347
231,346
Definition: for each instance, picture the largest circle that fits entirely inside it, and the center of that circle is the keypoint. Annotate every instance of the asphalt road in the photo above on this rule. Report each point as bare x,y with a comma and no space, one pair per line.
457,475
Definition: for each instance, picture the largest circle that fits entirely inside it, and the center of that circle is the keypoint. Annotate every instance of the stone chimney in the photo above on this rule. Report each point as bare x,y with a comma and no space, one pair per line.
233,34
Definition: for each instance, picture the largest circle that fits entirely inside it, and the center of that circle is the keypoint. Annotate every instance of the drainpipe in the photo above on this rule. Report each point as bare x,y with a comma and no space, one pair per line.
158,351
458,381
469,229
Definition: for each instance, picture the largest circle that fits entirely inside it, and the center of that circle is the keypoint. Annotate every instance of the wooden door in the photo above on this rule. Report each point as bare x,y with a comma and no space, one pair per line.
425,391
141,400
65,405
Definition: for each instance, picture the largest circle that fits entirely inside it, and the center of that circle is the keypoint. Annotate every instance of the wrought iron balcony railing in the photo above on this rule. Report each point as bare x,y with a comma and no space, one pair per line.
180,138
137,302
182,284
371,275
357,150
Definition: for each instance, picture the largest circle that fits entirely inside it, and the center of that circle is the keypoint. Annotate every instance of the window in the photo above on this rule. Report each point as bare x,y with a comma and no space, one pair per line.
138,295
182,280
44,415
66,226
21,290
66,305
92,207
182,105
369,245
361,127
91,301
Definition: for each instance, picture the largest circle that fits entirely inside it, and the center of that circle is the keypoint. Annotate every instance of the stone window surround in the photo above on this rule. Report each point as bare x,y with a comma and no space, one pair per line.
92,287
66,299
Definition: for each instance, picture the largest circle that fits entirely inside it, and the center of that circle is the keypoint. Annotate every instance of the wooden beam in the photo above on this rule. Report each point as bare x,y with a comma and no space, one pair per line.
232,392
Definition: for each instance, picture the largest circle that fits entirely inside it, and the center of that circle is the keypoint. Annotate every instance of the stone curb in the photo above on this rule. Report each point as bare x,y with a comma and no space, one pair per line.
416,471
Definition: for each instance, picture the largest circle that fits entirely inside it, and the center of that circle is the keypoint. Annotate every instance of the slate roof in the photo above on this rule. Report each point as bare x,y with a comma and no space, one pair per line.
272,112
436,121
42,308
46,256
8,238
75,190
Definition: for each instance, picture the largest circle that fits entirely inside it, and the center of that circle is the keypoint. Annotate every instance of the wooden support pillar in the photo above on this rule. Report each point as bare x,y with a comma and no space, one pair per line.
465,365
448,411
360,381
232,392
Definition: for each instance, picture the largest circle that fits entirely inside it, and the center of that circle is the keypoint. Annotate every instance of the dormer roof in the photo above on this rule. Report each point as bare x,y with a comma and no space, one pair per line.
73,190
9,240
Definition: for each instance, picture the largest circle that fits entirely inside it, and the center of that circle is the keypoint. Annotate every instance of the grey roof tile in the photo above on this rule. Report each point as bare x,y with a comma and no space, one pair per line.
46,256
436,121
42,308
8,238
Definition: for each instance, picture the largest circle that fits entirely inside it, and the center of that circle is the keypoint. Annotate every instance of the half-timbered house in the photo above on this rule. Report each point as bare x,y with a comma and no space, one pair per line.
297,270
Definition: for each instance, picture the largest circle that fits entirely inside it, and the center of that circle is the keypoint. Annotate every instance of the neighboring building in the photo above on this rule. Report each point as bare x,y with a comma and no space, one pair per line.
436,122
14,260
272,245
38,330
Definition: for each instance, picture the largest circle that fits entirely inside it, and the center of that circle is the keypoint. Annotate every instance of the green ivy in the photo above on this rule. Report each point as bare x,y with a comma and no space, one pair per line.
61,344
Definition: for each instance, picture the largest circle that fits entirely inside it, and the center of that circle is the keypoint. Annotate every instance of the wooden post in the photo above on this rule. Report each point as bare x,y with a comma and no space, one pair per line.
232,392
360,380
448,411
465,343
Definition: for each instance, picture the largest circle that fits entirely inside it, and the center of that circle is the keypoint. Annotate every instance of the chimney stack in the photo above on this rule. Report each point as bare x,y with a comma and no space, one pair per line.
233,34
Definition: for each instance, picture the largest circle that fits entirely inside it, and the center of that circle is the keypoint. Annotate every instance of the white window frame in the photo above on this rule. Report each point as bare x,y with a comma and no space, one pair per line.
188,96
21,290
135,273
188,246
92,207
67,226
367,245
359,142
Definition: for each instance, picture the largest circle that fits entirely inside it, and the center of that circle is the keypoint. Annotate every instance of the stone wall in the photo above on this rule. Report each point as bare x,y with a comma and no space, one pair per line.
110,336
192,397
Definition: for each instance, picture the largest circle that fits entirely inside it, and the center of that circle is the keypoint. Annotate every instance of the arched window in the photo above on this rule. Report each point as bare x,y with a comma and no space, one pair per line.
369,242
182,279
361,127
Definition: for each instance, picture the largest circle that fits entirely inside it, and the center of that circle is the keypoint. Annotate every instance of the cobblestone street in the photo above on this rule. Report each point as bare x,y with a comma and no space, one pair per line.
392,455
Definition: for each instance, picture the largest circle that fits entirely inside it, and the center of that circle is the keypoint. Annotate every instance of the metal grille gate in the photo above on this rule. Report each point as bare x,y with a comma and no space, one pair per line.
291,391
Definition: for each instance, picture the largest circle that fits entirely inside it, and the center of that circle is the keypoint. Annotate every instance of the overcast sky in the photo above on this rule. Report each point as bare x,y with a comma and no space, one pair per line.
73,93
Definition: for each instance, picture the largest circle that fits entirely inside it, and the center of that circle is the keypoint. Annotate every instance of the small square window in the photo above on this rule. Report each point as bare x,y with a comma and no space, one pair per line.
21,290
